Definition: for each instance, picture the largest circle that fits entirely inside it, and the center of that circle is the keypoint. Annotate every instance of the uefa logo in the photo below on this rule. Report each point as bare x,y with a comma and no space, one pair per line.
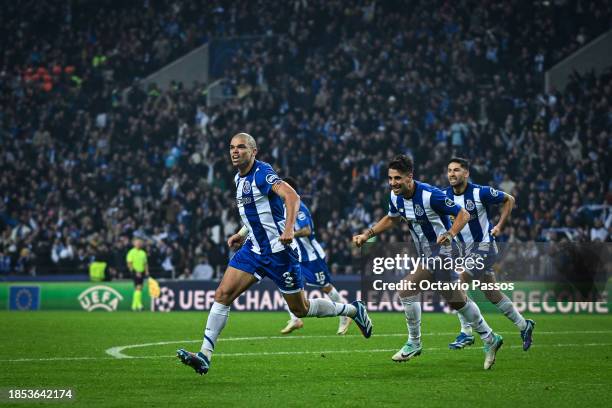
100,297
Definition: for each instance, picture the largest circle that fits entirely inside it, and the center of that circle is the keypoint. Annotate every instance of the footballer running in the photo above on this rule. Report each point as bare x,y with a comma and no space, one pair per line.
268,207
427,210
478,242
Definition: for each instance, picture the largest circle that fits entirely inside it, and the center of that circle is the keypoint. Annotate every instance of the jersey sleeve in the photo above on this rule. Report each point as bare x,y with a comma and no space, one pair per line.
441,204
265,178
130,256
489,195
393,212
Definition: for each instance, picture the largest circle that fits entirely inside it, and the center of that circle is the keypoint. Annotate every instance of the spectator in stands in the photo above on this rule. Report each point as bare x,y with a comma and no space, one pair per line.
599,232
77,162
203,270
5,262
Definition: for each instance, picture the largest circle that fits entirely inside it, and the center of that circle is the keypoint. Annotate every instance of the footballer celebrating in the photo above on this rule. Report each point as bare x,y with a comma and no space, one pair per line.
268,208
427,210
478,241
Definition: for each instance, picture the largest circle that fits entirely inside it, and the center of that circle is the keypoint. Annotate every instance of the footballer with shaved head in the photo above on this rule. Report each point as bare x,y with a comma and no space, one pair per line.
268,207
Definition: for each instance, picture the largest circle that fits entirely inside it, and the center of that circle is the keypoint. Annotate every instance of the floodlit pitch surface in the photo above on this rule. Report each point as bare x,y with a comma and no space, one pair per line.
568,365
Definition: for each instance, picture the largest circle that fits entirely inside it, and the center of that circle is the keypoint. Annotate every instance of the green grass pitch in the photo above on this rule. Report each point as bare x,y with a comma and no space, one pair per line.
568,365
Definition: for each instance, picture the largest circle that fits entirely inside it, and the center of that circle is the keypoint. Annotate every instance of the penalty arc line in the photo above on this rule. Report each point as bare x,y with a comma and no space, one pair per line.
292,353
117,352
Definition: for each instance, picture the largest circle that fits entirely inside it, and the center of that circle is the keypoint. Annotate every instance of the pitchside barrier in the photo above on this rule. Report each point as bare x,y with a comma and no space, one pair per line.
530,297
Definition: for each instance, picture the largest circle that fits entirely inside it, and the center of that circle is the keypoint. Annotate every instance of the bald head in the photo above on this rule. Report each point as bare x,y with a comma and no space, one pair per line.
243,150
248,139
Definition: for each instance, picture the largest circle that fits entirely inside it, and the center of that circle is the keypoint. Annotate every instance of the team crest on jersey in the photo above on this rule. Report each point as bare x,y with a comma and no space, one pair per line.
418,210
246,187
469,205
494,192
272,179
449,202
301,216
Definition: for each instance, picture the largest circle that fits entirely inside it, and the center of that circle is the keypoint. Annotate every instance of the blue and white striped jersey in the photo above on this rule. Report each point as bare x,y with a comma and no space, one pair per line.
427,213
477,200
309,246
261,210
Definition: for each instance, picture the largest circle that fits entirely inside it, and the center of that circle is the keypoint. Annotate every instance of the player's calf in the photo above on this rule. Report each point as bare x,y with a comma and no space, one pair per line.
298,306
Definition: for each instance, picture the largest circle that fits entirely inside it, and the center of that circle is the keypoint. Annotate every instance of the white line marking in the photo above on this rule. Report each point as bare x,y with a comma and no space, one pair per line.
292,353
117,352
284,353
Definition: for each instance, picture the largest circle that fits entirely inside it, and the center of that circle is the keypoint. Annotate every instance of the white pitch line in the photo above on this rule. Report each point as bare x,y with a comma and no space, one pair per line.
117,352
292,353
289,353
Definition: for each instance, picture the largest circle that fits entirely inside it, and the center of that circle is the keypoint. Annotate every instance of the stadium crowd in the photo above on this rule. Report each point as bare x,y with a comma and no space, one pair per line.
331,90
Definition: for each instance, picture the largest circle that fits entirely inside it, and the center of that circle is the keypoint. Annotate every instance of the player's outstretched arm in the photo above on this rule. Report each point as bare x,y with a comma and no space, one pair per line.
461,219
385,223
303,232
292,205
506,209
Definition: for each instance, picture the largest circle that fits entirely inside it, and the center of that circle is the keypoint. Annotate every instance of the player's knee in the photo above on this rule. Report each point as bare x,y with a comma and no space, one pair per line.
223,296
494,296
407,293
456,305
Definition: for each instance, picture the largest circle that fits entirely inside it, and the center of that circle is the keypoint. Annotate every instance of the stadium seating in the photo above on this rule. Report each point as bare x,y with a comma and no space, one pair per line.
331,92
